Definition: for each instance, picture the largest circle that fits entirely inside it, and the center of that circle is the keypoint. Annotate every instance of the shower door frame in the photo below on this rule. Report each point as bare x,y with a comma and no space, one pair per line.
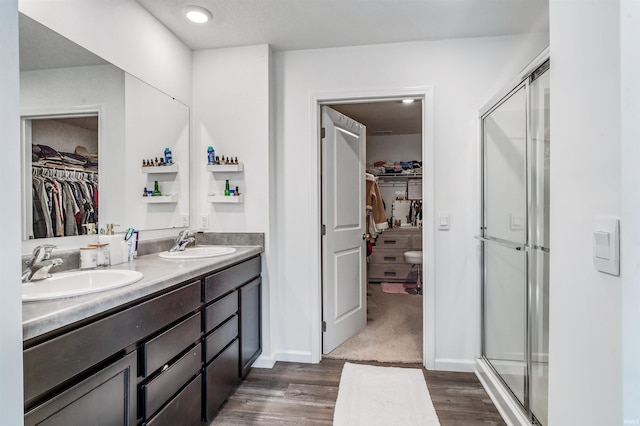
525,78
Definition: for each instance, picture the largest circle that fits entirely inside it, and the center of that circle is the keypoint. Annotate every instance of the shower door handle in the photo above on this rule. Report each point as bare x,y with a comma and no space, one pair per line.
504,243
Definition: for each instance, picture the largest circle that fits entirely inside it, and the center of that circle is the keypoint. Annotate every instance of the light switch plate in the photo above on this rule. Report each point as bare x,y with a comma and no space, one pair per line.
443,221
606,245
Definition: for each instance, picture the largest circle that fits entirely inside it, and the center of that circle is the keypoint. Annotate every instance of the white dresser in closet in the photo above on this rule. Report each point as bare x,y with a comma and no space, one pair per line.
386,263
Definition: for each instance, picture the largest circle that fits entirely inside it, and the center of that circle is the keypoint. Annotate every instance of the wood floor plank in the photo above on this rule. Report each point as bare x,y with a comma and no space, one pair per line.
305,394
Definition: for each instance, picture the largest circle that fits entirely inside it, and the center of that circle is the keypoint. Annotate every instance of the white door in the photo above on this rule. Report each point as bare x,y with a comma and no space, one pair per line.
344,283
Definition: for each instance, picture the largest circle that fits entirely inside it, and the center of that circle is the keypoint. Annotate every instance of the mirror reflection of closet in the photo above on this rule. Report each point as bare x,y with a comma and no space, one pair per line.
62,198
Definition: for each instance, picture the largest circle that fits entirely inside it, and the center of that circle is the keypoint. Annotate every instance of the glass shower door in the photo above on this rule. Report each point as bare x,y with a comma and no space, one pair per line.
515,241
505,236
539,90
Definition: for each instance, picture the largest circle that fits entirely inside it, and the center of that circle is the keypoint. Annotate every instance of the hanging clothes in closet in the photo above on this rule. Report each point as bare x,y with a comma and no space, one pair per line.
376,217
63,201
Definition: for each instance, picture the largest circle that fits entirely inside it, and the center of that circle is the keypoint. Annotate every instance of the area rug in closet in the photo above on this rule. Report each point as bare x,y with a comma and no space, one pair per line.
399,288
380,396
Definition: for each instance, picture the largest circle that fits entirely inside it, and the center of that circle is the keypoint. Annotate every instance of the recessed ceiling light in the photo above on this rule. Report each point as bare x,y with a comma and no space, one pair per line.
407,101
197,14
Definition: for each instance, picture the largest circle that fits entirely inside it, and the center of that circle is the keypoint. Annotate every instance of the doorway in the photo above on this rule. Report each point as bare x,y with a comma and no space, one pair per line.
424,141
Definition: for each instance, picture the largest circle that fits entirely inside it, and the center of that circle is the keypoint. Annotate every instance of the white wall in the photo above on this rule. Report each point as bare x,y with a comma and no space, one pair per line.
231,113
394,148
123,33
465,74
11,407
630,154
585,368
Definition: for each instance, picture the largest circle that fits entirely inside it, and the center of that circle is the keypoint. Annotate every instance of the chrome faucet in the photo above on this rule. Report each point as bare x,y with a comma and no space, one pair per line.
184,237
40,263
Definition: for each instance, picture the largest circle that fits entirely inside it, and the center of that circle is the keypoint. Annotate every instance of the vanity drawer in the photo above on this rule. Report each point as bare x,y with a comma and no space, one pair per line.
220,338
231,278
396,272
60,359
393,241
387,256
416,242
159,350
221,377
166,384
219,311
185,409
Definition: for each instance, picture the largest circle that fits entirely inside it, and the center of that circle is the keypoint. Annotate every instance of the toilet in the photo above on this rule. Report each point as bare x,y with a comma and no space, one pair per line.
414,257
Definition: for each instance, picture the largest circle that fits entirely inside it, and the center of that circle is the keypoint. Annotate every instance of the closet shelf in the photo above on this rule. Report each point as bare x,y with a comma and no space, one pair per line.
160,169
225,167
173,198
226,198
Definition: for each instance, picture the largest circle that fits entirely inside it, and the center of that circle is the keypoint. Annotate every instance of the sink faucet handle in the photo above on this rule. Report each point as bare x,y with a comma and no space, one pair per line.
41,252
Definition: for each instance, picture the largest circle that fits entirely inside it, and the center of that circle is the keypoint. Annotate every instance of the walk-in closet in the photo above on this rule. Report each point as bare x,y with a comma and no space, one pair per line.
394,330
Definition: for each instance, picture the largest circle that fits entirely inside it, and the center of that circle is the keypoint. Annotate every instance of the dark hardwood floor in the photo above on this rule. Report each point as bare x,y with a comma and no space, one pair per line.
305,394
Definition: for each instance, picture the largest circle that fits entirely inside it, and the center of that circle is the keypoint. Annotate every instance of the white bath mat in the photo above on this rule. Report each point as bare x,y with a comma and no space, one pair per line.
377,396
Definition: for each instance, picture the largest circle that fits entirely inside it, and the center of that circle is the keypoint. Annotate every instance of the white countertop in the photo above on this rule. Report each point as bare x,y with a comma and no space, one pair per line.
42,317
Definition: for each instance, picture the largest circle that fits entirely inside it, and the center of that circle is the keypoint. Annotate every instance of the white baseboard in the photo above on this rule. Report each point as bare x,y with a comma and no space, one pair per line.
511,412
294,356
265,361
453,364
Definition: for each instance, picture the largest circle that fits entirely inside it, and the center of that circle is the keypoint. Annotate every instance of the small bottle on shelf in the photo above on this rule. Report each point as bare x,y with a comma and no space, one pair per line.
226,188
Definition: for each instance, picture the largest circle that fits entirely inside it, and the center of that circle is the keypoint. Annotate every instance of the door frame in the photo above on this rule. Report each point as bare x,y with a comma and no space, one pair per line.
317,100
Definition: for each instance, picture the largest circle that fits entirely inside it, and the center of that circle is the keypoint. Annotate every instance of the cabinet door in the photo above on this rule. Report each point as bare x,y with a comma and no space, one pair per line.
250,324
108,395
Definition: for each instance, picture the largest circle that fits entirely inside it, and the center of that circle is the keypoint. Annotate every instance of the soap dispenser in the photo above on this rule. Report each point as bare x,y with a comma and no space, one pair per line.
115,244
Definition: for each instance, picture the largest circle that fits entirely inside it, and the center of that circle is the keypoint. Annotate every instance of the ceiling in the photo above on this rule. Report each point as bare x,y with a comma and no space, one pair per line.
386,118
313,24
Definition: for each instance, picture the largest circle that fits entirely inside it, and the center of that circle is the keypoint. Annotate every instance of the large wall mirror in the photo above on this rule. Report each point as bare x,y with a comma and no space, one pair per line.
87,128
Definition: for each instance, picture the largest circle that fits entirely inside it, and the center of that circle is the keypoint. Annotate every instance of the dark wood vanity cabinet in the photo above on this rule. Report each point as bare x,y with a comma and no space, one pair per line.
230,331
108,395
171,359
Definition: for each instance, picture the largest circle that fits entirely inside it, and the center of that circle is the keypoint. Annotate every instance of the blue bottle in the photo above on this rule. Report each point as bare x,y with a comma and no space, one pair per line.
211,155
168,157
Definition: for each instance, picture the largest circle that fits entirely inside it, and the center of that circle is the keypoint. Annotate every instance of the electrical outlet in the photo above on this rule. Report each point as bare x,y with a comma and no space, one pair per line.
185,220
204,221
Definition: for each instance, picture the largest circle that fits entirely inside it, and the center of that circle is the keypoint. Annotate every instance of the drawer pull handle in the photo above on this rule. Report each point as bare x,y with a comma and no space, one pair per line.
390,258
389,273
389,241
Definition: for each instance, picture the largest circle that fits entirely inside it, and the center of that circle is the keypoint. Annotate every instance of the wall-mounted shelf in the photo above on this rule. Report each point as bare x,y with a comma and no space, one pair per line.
226,198
160,169
225,167
173,198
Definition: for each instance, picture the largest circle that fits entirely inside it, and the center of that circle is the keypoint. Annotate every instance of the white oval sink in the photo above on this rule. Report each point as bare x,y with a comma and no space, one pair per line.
78,283
198,252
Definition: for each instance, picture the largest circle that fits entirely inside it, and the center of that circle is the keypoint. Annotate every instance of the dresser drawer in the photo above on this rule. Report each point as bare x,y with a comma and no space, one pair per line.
393,240
159,350
219,311
220,338
387,256
416,242
392,272
161,388
220,283
221,377
185,409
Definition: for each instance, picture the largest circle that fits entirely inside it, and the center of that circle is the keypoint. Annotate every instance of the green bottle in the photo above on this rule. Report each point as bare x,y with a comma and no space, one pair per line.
226,188
156,190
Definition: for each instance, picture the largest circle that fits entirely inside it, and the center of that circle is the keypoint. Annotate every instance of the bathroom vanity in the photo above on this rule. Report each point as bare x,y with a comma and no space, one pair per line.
166,350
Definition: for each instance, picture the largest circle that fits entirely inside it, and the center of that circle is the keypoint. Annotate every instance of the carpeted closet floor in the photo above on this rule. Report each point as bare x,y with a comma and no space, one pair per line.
393,332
